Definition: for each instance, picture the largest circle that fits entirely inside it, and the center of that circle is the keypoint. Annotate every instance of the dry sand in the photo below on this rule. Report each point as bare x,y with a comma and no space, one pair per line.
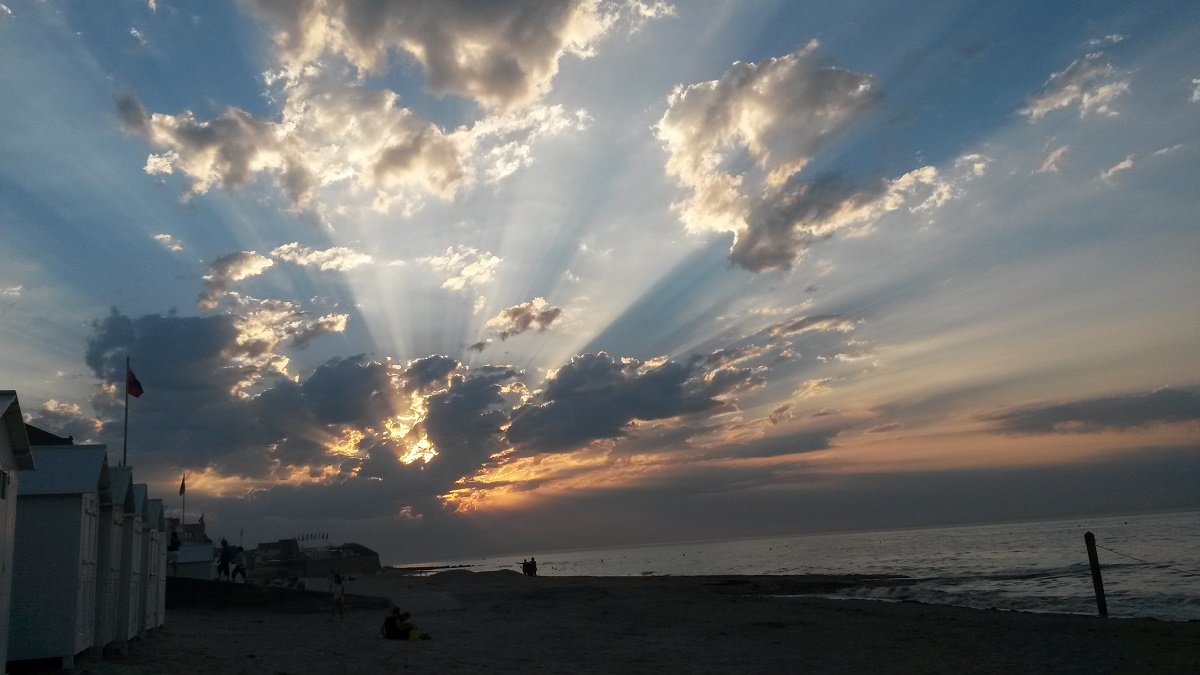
504,622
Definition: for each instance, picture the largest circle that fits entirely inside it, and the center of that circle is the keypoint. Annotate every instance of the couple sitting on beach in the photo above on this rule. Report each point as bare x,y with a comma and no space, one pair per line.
398,627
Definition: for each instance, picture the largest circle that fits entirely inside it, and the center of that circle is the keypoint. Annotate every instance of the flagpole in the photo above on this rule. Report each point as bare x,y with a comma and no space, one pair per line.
125,442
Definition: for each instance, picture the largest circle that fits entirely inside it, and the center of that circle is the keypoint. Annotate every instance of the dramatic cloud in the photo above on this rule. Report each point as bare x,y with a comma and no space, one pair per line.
596,396
338,258
777,113
536,315
169,242
1053,160
262,325
502,53
1088,82
462,266
227,269
1130,411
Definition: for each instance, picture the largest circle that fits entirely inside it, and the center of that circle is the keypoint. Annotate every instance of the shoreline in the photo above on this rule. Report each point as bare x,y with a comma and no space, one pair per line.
507,622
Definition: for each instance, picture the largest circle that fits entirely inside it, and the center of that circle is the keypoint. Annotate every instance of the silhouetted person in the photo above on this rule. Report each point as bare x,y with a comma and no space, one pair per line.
339,597
239,564
225,559
174,545
525,567
398,627
532,566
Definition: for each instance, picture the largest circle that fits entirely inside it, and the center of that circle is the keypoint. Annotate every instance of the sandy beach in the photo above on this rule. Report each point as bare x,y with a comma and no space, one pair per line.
506,622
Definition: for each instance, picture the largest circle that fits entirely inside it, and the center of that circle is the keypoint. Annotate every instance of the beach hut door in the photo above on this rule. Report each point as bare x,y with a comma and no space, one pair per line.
85,624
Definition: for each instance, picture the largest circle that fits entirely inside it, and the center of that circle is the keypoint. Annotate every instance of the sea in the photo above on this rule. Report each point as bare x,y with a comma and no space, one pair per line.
1150,564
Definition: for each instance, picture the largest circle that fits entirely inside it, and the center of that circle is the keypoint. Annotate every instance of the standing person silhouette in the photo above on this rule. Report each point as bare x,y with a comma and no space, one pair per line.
532,566
224,560
339,597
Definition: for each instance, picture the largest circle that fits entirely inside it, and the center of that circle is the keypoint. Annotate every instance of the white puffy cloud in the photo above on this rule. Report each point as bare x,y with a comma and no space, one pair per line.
171,243
779,111
535,315
12,291
338,258
227,269
1053,160
502,53
463,266
1088,82
1196,91
336,136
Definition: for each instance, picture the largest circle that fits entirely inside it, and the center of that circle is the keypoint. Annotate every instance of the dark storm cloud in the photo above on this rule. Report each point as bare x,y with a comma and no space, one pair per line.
431,372
352,391
809,440
789,219
465,421
189,351
596,396
1118,413
132,115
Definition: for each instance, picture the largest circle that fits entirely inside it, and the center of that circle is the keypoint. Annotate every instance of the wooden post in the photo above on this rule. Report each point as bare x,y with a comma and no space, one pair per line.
1097,582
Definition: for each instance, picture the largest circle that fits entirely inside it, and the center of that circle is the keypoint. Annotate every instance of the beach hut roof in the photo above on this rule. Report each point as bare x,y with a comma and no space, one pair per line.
67,469
121,480
10,416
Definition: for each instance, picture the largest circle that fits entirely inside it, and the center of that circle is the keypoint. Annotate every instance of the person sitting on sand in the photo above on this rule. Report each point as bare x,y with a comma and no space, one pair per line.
398,627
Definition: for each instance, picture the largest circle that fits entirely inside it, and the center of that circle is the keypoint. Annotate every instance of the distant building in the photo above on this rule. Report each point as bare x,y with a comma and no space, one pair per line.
190,553
285,559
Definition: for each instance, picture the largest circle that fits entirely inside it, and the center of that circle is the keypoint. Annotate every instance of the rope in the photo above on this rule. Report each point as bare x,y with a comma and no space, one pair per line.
1173,569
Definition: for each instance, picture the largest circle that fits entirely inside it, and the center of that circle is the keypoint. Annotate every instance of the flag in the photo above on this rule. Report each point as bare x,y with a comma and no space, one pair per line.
183,485
132,386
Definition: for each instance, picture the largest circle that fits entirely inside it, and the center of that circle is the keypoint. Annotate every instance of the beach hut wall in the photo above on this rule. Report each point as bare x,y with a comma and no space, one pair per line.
55,554
154,562
108,563
193,560
15,456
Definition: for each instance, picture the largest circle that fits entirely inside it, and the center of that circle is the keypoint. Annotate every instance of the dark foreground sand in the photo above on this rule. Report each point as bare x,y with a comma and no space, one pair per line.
503,622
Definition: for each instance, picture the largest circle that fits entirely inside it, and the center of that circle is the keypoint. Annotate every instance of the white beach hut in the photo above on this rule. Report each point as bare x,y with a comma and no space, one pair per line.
109,558
154,563
54,561
14,456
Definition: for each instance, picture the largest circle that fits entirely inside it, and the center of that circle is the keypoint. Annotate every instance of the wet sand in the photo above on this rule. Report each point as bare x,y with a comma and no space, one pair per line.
506,622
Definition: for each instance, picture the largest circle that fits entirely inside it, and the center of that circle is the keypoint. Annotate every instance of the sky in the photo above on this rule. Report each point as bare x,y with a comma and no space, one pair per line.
456,278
